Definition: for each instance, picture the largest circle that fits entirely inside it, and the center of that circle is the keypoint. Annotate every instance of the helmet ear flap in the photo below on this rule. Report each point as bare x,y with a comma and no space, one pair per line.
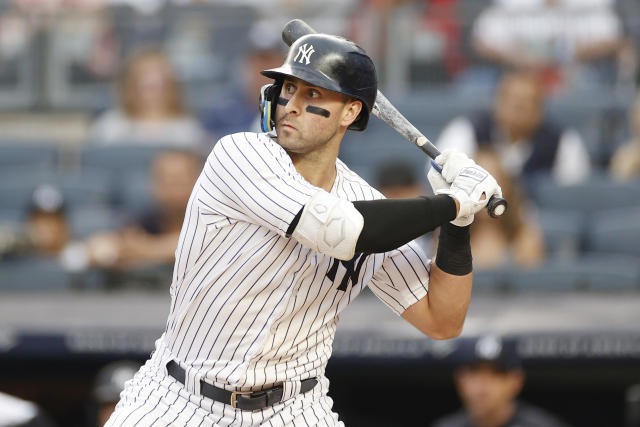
267,104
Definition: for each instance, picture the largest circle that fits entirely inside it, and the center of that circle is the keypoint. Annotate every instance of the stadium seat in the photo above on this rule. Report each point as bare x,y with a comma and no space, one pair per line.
11,215
566,276
563,231
118,158
490,280
33,274
88,220
134,191
597,193
615,231
365,152
31,155
584,273
611,272
17,186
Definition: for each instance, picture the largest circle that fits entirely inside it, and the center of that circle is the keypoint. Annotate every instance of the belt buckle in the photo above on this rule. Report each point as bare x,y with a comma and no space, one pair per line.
234,397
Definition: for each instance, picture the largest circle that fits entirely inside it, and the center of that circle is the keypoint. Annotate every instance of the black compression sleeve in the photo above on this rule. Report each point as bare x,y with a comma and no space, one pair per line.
390,223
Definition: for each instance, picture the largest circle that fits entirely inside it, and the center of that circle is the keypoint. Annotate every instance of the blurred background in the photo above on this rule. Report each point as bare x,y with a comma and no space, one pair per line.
108,109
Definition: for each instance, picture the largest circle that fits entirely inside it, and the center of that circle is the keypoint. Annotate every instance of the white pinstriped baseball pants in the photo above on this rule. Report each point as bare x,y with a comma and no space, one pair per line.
153,398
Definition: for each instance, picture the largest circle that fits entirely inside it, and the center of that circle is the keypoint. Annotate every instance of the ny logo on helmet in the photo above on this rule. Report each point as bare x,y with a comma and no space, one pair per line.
304,53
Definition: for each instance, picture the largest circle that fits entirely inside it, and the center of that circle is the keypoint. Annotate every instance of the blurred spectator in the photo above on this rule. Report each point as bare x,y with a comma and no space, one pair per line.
562,39
625,164
151,238
15,412
45,231
489,380
527,143
46,223
398,180
514,239
152,109
240,114
109,382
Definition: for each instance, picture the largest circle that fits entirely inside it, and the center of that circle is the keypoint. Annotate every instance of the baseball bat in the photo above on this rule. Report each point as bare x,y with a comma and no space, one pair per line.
384,110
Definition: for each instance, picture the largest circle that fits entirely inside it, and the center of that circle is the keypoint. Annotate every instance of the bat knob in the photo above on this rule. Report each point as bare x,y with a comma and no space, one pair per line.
496,206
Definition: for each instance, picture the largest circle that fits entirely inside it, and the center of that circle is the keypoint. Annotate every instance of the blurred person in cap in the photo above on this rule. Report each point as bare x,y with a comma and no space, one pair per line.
44,231
46,222
109,383
488,381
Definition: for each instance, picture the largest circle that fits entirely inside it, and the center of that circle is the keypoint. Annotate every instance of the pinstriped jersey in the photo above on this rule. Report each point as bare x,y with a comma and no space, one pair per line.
251,306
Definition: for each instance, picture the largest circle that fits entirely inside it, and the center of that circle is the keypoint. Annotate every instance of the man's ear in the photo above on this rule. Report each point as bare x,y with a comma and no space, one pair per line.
517,381
351,111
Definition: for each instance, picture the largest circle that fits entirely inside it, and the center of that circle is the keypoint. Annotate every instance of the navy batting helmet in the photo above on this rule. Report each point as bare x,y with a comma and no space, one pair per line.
329,62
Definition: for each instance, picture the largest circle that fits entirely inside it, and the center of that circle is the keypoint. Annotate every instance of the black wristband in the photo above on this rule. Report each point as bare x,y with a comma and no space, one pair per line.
454,250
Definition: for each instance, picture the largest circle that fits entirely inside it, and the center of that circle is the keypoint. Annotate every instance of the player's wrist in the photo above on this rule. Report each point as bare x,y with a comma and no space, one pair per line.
457,204
454,250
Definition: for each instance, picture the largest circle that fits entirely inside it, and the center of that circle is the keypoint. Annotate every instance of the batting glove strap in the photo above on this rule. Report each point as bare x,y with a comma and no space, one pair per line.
440,186
468,188
452,162
436,181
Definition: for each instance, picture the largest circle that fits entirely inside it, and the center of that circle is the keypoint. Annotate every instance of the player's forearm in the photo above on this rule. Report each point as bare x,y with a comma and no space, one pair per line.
391,223
447,300
451,278
441,313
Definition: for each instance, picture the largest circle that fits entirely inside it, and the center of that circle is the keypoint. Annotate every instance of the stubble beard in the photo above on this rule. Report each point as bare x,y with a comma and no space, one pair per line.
297,143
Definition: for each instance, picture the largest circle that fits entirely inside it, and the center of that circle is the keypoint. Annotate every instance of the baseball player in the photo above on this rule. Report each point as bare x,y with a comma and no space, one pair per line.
279,237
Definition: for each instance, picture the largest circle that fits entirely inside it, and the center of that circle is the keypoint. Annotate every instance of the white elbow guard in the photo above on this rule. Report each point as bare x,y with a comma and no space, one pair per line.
330,226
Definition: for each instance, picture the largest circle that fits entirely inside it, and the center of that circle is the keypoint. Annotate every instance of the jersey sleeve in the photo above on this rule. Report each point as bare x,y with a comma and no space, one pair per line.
403,278
249,179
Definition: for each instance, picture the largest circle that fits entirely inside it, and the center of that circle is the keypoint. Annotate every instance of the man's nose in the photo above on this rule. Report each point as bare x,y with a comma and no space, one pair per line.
294,105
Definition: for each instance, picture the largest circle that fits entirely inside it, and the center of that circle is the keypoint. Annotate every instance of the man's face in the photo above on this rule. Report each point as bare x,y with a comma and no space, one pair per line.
173,176
519,106
49,232
486,390
312,116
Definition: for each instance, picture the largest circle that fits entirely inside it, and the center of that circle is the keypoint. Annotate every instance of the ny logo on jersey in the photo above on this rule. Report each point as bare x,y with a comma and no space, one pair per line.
353,270
304,53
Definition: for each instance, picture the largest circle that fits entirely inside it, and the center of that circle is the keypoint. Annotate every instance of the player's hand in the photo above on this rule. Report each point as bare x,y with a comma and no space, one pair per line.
472,188
438,184
452,162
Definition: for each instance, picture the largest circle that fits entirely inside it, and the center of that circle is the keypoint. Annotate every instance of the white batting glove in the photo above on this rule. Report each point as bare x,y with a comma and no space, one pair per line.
439,186
452,162
468,188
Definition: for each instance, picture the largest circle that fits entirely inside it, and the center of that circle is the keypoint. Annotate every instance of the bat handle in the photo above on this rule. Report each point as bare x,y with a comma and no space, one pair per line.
497,206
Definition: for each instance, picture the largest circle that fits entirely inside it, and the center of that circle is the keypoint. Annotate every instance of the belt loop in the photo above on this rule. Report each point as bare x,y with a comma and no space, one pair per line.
290,389
197,382
192,381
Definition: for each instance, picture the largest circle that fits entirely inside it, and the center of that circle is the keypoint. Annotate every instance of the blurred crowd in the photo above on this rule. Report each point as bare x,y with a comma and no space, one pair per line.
542,93
545,89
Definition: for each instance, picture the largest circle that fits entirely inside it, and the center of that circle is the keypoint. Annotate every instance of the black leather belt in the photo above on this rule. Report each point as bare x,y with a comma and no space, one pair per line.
245,400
